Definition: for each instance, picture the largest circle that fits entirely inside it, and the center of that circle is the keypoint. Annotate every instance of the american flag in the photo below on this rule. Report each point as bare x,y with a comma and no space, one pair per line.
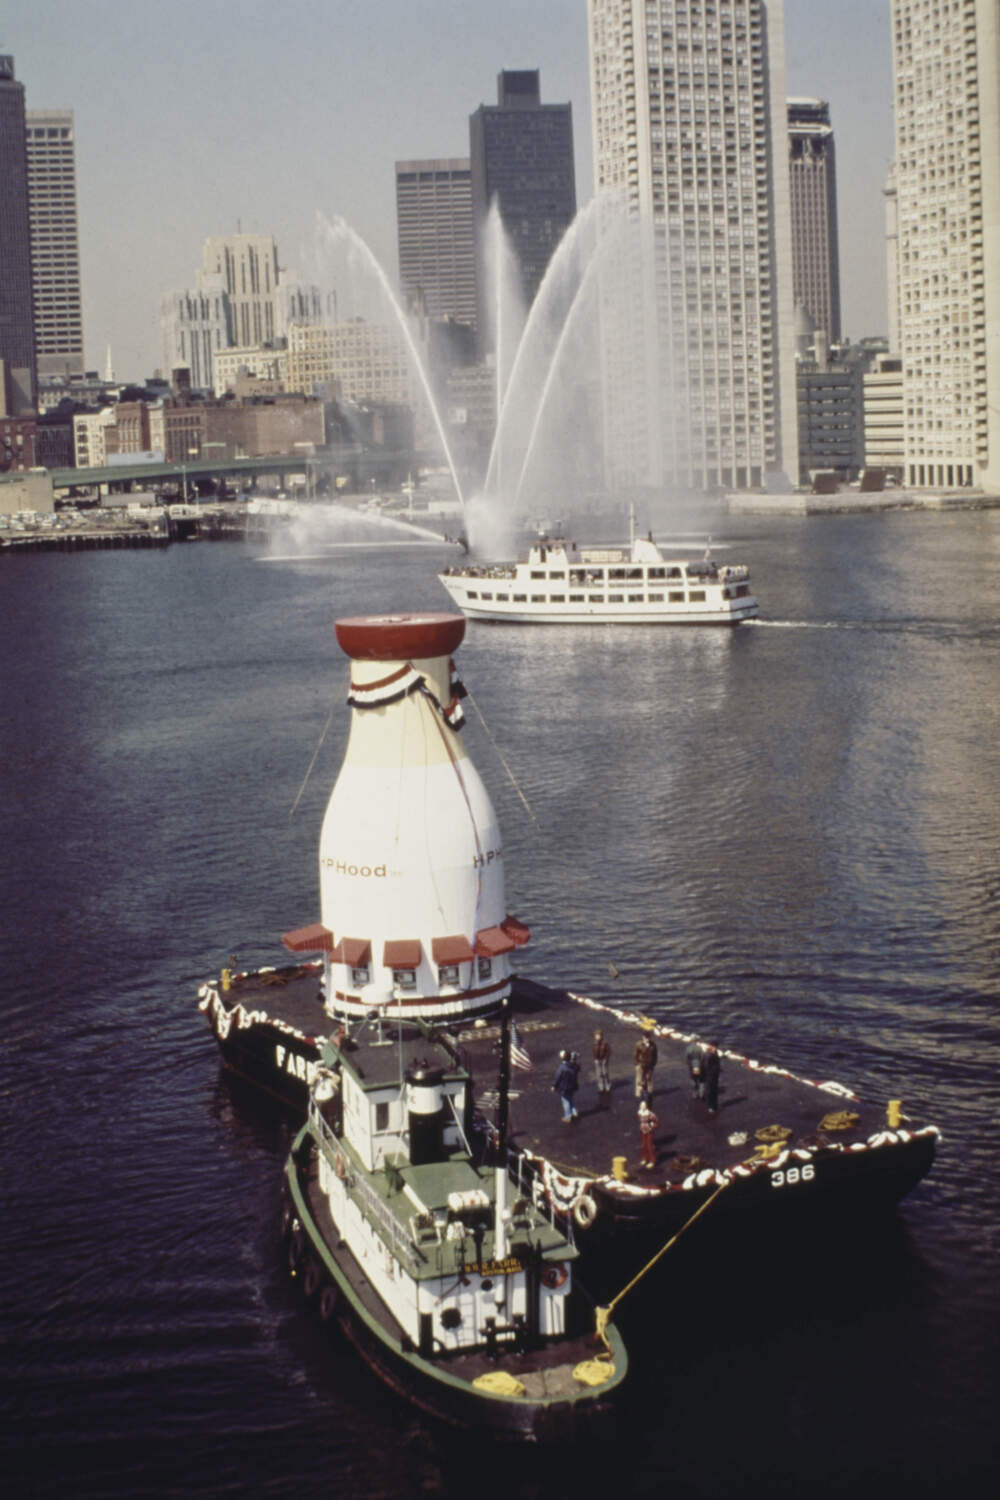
518,1052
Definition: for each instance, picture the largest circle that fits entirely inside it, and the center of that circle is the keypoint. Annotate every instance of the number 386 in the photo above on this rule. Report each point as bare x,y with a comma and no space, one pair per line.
790,1176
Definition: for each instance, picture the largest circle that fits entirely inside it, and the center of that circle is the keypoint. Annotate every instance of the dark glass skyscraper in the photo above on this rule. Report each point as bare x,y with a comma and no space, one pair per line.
17,324
521,154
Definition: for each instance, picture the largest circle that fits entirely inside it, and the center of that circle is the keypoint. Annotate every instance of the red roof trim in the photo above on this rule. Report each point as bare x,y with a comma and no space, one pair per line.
402,953
516,929
491,941
312,939
452,950
353,951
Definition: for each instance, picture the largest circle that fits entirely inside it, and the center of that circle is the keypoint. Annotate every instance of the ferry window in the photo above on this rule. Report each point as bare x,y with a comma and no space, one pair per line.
360,975
595,575
537,573
520,598
557,598
576,598
448,974
577,575
617,574
633,572
486,595
656,598
596,598
636,598
673,572
405,978
657,573
676,596
538,598
472,593
485,967
616,598
741,590
697,596
560,577
382,1115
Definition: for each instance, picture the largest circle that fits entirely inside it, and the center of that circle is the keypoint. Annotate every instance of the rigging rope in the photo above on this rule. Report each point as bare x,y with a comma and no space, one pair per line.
604,1313
329,721
510,775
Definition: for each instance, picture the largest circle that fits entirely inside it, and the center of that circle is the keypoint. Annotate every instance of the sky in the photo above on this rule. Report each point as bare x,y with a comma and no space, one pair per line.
202,117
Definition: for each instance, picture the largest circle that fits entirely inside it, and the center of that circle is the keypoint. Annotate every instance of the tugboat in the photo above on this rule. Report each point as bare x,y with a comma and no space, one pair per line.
563,584
459,1293
415,929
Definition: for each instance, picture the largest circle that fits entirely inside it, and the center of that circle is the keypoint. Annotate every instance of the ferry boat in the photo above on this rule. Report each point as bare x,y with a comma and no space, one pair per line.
414,927
561,583
456,1288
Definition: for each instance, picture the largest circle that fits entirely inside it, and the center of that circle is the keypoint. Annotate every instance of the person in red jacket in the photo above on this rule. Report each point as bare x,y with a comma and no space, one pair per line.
647,1127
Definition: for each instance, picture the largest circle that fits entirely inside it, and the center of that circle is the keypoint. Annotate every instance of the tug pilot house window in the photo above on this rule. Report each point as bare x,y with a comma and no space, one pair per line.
360,975
382,1115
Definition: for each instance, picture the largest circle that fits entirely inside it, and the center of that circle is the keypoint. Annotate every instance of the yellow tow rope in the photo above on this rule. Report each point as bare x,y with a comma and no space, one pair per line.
604,1314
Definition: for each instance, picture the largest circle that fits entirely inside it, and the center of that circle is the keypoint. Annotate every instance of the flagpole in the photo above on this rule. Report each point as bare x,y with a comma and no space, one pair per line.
500,1221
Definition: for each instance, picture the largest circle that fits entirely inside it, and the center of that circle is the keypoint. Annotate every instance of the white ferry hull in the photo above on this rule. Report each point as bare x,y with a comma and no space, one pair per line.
607,614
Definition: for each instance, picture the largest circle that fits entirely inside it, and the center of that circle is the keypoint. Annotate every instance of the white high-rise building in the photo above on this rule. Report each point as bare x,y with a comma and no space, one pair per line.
946,60
690,131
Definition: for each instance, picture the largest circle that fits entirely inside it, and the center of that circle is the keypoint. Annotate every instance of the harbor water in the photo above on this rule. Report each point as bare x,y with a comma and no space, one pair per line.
784,836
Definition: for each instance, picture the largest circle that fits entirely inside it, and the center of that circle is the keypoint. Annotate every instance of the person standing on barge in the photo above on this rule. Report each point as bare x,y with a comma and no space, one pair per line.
645,1057
602,1076
565,1084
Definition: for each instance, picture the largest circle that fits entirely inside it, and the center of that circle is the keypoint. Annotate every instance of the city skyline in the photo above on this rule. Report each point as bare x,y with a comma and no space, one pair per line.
175,144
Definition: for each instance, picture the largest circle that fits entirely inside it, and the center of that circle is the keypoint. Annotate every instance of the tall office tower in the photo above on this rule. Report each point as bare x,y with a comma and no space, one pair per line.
437,267
55,248
813,193
195,324
17,323
947,105
521,154
892,257
690,136
248,264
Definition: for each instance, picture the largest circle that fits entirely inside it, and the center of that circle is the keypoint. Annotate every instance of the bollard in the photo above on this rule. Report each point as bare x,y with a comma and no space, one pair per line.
894,1109
619,1168
227,975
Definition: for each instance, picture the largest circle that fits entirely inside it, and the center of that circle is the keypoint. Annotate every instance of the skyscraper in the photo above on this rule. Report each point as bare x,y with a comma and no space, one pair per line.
248,264
17,324
55,250
690,133
434,231
813,190
521,155
947,166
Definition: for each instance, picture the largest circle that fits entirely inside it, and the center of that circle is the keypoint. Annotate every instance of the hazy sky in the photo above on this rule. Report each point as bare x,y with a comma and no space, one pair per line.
197,116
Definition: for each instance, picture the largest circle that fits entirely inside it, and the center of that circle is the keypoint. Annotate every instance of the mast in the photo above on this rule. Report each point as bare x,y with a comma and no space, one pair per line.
500,1223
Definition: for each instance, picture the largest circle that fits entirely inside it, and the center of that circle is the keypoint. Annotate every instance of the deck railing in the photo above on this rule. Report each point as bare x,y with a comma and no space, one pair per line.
372,1206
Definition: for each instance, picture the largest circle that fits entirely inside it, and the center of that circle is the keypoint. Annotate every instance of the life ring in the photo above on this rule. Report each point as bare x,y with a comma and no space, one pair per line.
311,1278
554,1276
584,1211
327,1302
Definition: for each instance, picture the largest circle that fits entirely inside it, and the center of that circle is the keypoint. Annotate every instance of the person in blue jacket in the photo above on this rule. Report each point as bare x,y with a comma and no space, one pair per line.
566,1082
